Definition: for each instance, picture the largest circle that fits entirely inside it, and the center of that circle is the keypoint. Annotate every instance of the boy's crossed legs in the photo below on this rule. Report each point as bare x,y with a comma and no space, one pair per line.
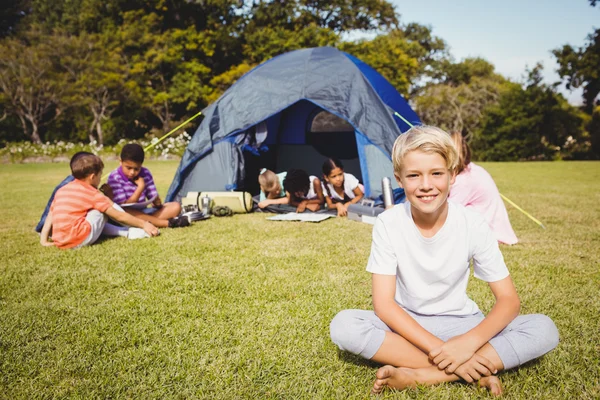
363,333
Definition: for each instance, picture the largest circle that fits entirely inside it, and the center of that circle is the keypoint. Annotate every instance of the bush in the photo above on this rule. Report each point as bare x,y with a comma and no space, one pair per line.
18,152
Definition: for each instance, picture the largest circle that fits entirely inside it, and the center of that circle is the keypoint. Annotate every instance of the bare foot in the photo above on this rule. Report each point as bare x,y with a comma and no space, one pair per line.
394,378
491,383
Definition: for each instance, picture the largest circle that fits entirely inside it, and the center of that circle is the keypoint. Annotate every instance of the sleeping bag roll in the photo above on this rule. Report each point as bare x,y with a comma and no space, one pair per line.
239,202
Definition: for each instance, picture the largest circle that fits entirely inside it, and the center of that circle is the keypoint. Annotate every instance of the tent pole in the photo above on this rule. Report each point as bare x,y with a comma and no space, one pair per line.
151,145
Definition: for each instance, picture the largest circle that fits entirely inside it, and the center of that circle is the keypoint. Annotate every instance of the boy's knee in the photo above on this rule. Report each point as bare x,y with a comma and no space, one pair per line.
175,206
548,332
341,329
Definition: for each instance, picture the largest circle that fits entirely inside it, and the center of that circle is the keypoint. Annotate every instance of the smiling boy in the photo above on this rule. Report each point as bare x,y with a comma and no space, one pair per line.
424,327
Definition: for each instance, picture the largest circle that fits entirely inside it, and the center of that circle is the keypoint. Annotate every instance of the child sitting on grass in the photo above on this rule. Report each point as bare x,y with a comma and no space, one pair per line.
78,213
341,189
68,179
131,183
303,191
424,327
271,188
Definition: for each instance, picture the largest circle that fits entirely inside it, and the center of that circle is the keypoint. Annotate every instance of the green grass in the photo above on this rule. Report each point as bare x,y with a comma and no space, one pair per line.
240,307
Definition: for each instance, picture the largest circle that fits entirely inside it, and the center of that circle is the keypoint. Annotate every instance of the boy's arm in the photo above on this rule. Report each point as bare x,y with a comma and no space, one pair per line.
358,195
46,231
130,220
318,191
386,308
459,349
268,202
135,197
151,190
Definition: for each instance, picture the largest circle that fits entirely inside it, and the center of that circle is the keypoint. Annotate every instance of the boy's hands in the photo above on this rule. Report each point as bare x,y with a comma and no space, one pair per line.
475,368
150,229
452,354
139,181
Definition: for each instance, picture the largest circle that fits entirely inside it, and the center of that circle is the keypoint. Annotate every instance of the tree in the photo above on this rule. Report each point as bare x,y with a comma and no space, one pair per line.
30,82
457,98
97,73
11,14
166,67
580,68
402,56
532,122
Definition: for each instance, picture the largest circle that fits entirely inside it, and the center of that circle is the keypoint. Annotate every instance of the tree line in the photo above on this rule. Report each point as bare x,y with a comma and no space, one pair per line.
104,70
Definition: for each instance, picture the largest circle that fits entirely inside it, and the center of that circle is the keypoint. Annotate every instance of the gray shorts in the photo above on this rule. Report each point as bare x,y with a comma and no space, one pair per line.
527,337
97,221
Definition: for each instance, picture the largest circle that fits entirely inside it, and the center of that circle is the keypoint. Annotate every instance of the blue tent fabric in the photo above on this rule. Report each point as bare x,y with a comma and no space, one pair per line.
284,92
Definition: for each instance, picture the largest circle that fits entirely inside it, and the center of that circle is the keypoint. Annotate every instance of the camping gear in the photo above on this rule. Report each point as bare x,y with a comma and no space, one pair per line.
222,211
295,111
302,217
364,212
388,195
206,205
194,216
238,202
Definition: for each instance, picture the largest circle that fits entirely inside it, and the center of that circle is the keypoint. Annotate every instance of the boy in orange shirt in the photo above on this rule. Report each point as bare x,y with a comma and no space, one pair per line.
79,211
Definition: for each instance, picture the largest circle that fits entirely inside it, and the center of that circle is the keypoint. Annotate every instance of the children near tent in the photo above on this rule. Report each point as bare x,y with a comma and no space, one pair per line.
475,188
341,188
271,188
424,327
303,191
78,213
132,183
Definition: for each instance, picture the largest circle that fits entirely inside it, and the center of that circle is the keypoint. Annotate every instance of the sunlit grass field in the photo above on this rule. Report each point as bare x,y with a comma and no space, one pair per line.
240,307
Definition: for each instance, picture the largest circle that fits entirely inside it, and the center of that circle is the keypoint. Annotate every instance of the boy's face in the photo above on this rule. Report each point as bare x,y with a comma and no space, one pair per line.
426,181
131,169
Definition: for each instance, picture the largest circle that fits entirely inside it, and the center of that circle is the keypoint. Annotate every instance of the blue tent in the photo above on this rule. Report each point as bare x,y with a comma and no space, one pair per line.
268,119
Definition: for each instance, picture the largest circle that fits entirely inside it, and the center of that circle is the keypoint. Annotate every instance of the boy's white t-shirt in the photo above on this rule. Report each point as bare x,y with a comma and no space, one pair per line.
432,273
350,183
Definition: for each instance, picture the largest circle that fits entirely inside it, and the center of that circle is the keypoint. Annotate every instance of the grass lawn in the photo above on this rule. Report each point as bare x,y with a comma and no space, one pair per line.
240,307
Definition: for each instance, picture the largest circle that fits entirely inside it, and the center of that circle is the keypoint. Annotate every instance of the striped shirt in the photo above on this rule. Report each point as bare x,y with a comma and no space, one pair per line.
69,209
123,188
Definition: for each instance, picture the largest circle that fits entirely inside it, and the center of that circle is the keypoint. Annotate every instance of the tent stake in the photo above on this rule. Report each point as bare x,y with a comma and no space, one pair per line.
523,211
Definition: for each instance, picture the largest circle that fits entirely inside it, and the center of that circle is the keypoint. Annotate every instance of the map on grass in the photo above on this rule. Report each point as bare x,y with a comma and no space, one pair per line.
303,217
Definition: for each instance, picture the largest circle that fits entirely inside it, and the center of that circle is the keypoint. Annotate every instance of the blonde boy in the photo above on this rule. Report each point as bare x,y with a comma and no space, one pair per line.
424,327
78,213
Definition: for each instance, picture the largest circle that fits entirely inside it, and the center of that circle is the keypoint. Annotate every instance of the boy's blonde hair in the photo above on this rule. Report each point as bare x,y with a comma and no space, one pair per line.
428,139
268,180
85,165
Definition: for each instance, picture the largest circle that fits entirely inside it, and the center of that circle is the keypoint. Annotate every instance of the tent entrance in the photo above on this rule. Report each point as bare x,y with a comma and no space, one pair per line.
303,136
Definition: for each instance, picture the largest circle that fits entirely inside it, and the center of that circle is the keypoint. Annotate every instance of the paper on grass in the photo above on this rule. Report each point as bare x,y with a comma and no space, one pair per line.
303,217
141,205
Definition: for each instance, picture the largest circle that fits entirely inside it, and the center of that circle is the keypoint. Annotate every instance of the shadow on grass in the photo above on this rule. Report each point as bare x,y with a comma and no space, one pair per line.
356,360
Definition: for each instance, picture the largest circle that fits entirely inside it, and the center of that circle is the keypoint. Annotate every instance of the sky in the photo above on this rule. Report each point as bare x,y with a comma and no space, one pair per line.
510,34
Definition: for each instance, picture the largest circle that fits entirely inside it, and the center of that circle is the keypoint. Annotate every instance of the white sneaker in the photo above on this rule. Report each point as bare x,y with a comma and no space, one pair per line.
137,233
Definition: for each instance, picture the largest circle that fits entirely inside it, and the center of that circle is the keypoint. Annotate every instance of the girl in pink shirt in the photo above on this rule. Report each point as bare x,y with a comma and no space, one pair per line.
474,188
